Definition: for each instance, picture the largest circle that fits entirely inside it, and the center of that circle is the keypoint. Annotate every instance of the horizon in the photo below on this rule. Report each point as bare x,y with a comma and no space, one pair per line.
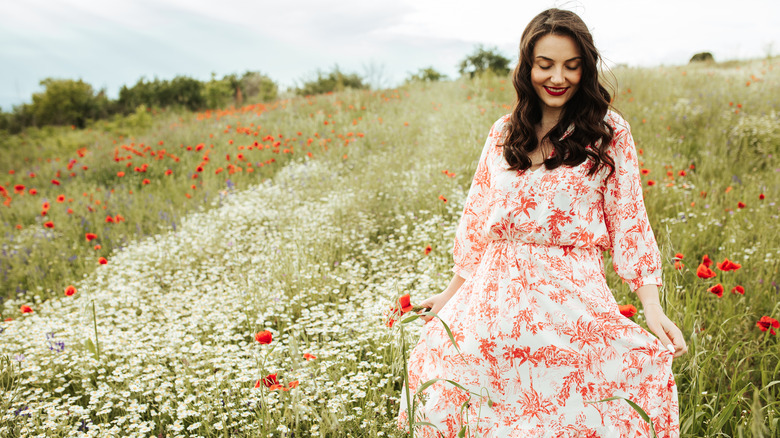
113,45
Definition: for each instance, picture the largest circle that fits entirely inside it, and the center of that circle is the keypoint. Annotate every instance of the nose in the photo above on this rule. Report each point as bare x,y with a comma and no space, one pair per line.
557,76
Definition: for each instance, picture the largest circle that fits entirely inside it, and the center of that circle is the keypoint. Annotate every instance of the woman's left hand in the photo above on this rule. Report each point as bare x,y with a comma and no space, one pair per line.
665,329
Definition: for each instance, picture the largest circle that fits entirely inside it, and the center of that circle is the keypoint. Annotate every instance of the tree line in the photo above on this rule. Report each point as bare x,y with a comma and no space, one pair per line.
75,102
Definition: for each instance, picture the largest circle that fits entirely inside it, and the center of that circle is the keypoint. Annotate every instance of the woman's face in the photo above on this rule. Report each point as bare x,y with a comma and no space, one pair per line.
556,71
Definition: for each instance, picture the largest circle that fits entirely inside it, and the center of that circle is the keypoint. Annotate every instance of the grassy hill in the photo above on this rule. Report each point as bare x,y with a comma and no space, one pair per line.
185,234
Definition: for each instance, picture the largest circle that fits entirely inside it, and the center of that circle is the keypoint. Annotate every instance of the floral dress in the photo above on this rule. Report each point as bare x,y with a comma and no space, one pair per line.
537,326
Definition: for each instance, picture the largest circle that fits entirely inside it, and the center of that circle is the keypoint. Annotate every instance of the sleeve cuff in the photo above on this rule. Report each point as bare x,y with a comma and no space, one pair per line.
465,274
642,281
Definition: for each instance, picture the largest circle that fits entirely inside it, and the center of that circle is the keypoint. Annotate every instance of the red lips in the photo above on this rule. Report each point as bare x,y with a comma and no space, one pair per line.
556,91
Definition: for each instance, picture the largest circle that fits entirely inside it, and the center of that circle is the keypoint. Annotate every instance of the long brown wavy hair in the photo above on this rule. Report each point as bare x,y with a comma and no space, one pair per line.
586,109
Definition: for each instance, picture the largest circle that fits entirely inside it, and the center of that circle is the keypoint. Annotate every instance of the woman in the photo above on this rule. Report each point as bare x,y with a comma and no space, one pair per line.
539,330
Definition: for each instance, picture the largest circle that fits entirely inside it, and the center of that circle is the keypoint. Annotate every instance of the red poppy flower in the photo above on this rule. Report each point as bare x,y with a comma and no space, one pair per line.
650,182
119,218
19,188
168,172
761,196
26,309
293,384
49,224
728,265
678,265
145,181
765,323
97,247
109,219
270,380
70,290
738,290
32,192
645,171
264,337
442,198
428,250
120,174
91,236
55,182
406,303
61,199
741,205
717,290
308,356
705,259
704,272
679,256
627,310
102,261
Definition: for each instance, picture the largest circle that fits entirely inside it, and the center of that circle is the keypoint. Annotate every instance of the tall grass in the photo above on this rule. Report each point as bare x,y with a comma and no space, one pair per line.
313,248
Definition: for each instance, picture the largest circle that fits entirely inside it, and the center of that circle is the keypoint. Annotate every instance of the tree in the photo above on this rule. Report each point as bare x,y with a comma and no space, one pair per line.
333,81
66,102
428,74
483,60
257,86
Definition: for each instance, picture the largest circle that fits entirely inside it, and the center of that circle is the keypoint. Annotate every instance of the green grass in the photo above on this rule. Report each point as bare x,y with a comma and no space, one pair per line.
313,248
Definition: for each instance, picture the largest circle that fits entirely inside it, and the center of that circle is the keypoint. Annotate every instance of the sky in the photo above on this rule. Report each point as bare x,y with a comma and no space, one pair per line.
110,43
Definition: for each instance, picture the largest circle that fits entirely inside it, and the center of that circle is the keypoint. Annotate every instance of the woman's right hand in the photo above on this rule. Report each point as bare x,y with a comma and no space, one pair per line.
436,303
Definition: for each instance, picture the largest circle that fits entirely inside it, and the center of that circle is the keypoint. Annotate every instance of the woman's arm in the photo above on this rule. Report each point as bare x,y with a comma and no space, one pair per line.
438,301
658,322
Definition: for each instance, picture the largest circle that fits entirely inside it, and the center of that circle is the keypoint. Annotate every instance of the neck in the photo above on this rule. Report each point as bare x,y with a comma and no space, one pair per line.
550,117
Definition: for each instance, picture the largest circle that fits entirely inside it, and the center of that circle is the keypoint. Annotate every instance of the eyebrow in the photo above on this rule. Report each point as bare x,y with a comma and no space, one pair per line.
548,59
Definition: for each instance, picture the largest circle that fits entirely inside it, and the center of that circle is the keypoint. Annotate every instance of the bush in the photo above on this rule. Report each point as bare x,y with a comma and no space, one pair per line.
702,57
65,102
333,81
428,74
181,91
256,86
483,60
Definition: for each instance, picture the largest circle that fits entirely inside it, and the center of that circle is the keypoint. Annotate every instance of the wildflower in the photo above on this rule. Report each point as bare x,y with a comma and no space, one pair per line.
293,384
61,199
308,356
145,181
645,171
49,224
717,290
109,219
26,309
264,337
18,189
442,198
97,247
102,261
168,172
767,323
120,174
704,272
70,291
678,265
627,310
32,192
728,265
741,204
738,290
270,380
428,250
679,256
705,259
91,236
650,182
761,196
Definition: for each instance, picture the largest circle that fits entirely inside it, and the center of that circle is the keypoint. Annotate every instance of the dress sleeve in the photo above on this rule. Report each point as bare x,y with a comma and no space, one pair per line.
470,237
635,254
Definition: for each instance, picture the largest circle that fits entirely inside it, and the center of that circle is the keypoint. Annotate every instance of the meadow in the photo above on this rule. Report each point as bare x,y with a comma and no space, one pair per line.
227,273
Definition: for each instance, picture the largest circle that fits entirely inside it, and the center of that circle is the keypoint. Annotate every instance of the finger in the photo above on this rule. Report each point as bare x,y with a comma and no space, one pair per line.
679,342
665,341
